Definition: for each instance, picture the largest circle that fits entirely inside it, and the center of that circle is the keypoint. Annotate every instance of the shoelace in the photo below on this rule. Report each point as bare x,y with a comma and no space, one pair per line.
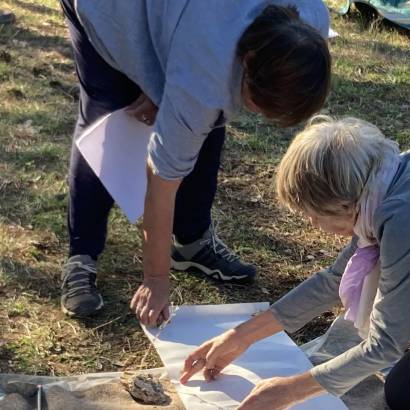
81,281
220,248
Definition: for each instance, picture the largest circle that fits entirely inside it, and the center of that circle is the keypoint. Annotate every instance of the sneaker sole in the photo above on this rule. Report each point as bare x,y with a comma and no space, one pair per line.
212,273
73,314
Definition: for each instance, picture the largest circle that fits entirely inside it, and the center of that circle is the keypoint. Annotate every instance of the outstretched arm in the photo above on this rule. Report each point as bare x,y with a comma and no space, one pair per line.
315,295
151,300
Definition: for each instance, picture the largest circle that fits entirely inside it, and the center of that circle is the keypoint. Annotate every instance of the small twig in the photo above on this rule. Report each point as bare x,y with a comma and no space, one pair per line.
69,324
108,323
129,344
142,363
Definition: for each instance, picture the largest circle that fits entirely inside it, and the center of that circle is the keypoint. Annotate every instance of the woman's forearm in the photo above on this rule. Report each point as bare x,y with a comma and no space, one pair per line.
263,325
157,224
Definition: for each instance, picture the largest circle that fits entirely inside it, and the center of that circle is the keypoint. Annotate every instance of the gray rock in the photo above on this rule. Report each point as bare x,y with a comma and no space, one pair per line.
146,389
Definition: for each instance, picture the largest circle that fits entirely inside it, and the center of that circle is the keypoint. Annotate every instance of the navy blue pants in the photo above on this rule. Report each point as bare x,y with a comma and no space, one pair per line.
397,387
103,90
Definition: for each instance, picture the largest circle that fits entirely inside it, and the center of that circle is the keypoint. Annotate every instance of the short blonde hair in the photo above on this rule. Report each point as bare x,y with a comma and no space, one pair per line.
330,163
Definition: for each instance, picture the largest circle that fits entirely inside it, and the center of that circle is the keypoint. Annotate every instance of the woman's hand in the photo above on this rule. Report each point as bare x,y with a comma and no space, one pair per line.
281,393
213,356
151,301
143,109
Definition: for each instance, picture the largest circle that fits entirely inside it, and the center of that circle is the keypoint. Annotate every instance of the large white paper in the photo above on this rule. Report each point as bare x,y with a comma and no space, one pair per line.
116,149
274,356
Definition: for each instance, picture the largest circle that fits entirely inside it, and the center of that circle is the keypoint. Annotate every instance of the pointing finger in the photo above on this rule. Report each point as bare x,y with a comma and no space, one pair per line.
196,366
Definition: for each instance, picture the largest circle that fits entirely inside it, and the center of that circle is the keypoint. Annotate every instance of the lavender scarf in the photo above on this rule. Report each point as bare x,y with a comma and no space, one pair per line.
361,276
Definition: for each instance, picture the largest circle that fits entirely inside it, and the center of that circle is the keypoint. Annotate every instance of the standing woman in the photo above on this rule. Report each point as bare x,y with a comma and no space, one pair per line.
186,66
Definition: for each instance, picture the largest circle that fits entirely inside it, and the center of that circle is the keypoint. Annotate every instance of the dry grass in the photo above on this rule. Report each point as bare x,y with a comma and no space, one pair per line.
38,106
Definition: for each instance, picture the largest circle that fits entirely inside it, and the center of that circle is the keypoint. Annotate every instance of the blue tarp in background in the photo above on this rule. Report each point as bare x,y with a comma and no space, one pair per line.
397,11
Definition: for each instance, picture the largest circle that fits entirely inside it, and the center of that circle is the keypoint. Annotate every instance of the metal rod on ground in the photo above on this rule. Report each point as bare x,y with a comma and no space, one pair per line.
39,393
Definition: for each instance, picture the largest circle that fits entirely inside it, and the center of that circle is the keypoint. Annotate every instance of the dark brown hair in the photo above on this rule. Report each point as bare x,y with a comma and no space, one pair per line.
287,65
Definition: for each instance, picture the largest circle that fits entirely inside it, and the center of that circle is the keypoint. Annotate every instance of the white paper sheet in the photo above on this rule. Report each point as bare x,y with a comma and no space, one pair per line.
274,356
116,149
332,33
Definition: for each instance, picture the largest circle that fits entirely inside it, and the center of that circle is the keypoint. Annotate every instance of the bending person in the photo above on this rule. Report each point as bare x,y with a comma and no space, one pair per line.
186,66
348,179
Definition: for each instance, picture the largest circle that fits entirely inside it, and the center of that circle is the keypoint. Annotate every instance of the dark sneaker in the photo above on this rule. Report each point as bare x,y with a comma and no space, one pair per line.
212,257
80,296
7,17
